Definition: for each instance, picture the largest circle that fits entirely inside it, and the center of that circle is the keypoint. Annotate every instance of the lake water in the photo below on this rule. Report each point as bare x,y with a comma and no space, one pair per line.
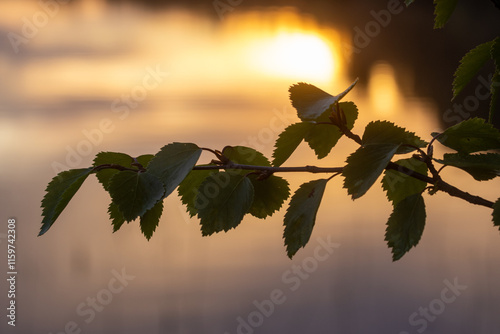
100,78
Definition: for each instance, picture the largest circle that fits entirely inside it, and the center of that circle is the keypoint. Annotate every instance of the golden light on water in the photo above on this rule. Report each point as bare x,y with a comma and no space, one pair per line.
218,83
306,56
383,90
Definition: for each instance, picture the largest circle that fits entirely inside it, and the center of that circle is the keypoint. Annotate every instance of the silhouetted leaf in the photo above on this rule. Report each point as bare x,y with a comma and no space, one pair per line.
173,163
245,156
104,158
405,225
384,132
482,167
301,215
472,135
227,202
323,137
311,102
145,159
496,213
495,94
149,221
364,167
495,81
190,187
116,216
270,194
60,191
398,186
442,11
470,64
135,193
289,140
320,137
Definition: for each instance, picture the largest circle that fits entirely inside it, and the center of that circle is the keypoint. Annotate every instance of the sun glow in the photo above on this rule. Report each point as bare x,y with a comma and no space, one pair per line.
303,56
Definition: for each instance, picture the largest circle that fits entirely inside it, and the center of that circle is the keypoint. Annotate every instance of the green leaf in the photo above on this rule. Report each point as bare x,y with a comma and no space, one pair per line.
384,132
145,159
496,213
442,11
351,113
135,193
364,167
190,187
398,186
229,198
408,2
482,167
495,53
245,156
149,221
495,94
469,65
405,225
472,135
323,137
116,216
173,163
381,140
270,194
311,102
104,158
289,140
59,192
495,81
301,215
320,137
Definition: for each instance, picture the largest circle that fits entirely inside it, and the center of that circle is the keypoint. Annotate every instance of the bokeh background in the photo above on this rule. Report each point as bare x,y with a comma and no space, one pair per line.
80,77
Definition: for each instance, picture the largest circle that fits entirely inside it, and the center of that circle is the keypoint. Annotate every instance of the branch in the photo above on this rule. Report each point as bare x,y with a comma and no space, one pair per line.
113,166
442,185
409,172
439,183
310,169
454,191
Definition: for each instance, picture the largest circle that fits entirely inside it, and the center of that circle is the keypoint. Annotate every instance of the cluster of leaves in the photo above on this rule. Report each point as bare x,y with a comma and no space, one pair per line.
475,59
242,180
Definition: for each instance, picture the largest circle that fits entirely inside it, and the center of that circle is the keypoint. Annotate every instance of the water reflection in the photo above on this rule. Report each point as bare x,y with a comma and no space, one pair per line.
62,85
383,90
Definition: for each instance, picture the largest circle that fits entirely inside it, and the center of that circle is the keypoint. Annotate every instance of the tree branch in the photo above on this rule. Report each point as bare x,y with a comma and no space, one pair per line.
439,183
113,166
442,185
310,169
454,191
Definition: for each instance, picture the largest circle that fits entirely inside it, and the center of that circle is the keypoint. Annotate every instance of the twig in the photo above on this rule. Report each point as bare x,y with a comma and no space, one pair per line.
439,183
310,169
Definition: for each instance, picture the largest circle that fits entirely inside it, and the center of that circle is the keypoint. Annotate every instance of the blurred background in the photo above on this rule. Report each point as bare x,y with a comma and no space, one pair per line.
80,77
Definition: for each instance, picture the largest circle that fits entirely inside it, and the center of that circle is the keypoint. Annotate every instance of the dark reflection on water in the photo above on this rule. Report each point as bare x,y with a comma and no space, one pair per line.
54,95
